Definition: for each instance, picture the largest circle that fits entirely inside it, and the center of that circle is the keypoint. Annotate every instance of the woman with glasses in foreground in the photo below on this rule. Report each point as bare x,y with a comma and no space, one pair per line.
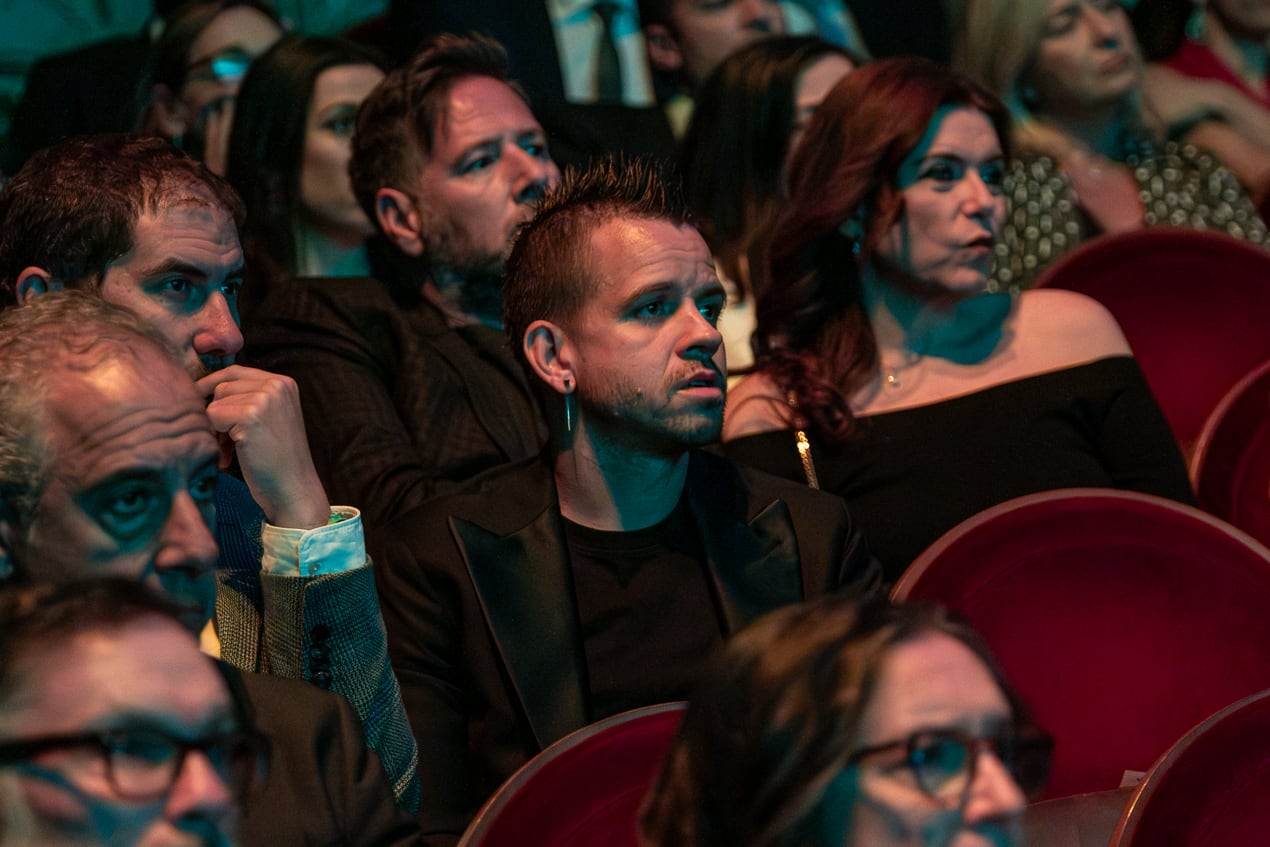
827,723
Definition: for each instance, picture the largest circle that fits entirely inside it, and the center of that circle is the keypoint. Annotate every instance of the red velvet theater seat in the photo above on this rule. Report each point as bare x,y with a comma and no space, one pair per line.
1123,619
1231,465
1194,305
1212,789
583,791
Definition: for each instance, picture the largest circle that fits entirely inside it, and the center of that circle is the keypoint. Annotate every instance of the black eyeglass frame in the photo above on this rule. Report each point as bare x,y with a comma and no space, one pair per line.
241,756
225,67
1006,746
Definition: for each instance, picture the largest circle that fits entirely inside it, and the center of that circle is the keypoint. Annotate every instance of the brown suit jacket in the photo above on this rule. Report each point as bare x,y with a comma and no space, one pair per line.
324,786
397,405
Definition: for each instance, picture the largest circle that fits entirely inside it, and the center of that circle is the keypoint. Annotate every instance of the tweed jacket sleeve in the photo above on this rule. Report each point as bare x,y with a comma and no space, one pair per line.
326,629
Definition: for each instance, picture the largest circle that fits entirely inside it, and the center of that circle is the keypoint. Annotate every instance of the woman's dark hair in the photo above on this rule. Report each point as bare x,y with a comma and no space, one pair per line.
266,143
813,336
733,155
775,718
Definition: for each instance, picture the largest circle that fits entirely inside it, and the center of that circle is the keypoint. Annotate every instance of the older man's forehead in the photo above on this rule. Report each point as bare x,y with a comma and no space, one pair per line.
122,405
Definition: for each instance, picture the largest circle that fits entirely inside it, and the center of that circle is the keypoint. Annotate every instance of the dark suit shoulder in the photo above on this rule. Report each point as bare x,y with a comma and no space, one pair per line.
717,473
831,548
320,299
502,499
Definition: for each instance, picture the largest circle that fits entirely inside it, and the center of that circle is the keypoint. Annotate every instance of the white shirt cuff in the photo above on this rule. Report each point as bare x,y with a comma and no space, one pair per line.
335,548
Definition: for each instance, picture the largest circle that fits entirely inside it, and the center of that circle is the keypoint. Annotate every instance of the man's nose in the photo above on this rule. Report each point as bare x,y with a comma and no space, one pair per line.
535,176
186,541
700,336
217,334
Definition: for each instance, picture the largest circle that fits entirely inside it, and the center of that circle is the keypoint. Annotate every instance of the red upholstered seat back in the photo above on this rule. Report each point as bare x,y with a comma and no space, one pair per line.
1212,789
583,791
1123,619
1231,464
1194,305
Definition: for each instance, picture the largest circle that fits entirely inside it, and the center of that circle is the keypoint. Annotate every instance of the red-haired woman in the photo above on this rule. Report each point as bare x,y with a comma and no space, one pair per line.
913,394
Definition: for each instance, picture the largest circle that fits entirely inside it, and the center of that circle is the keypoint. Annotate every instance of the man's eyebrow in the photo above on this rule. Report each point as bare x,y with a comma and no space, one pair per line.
217,719
177,265
651,289
710,289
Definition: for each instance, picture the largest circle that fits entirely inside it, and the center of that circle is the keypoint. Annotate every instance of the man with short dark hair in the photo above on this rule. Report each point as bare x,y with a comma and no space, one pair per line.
152,749
597,578
407,385
108,466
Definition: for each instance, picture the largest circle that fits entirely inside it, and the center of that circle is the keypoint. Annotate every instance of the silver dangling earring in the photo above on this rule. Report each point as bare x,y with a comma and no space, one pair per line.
568,408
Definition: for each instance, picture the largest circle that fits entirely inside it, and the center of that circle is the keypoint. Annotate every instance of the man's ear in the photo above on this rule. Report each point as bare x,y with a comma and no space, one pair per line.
550,355
399,219
32,282
168,113
664,53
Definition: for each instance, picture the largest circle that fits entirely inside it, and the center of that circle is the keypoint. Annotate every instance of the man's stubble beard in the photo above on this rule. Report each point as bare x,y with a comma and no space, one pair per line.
469,281
625,413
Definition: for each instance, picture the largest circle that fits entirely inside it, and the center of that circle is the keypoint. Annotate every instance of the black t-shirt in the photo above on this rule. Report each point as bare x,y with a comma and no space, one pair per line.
648,611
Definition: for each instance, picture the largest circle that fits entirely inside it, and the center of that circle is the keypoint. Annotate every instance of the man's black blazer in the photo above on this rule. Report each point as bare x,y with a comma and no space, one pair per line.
483,628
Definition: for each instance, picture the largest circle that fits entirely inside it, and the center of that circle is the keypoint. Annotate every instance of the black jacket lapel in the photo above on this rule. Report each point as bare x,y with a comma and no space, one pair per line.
754,563
526,591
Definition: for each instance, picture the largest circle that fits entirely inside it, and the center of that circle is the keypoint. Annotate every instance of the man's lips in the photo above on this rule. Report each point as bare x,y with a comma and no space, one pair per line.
705,381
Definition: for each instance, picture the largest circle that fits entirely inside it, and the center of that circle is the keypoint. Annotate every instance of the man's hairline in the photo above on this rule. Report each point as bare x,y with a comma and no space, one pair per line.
447,86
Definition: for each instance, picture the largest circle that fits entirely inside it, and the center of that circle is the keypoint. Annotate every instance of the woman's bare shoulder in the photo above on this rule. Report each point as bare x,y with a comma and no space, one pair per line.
1067,328
756,404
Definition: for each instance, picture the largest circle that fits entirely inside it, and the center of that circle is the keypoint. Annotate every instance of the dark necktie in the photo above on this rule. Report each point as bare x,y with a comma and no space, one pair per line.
608,75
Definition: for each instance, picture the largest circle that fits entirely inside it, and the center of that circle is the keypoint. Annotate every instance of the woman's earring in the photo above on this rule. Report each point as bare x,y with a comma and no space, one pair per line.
853,230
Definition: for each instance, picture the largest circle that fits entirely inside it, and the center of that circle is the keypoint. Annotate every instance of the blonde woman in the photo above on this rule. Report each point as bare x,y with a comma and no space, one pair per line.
1087,158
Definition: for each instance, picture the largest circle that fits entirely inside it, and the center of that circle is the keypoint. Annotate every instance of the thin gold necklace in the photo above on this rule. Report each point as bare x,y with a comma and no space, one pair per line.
891,373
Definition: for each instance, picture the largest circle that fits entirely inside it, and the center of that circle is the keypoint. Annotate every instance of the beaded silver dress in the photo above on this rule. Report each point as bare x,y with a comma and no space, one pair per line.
1178,185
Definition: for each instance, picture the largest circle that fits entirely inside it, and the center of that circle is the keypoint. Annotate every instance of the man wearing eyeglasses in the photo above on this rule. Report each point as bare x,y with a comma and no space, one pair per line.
114,727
